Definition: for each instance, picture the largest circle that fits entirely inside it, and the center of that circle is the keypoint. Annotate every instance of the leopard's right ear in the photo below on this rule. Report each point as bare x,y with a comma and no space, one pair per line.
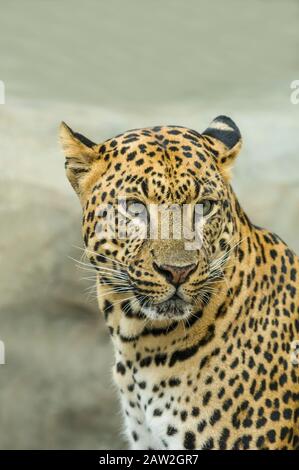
225,137
80,154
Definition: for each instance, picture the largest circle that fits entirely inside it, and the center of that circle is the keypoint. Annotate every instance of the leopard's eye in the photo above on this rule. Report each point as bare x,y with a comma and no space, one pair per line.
207,206
135,208
202,210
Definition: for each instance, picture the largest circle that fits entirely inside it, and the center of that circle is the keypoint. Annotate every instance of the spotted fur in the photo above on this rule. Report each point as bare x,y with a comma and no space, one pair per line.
212,369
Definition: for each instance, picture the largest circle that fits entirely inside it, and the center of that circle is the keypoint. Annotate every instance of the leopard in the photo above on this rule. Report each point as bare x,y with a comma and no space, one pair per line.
202,331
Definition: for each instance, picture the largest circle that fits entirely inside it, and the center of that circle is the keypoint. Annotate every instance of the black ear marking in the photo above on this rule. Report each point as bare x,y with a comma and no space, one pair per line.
84,140
224,129
79,136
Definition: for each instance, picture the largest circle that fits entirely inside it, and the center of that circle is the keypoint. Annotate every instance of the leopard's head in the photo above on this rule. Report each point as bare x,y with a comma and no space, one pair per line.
130,184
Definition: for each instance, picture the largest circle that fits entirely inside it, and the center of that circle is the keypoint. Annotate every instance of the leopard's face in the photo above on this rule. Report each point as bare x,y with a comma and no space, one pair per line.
141,182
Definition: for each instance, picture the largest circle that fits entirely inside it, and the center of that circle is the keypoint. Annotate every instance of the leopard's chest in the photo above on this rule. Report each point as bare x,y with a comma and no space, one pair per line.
150,418
160,413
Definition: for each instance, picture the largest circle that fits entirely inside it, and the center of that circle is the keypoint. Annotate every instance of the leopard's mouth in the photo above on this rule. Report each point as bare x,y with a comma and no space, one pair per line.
173,308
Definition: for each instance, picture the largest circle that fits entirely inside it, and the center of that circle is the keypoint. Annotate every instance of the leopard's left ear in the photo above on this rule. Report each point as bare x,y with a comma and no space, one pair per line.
225,140
80,154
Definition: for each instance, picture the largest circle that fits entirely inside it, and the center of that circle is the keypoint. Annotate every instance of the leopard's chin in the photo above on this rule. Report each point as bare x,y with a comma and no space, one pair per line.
172,309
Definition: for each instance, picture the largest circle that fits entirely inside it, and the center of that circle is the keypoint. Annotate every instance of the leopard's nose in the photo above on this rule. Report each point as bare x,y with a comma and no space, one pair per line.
176,275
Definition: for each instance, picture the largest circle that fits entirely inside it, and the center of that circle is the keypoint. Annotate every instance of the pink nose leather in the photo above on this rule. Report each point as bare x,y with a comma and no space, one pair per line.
176,275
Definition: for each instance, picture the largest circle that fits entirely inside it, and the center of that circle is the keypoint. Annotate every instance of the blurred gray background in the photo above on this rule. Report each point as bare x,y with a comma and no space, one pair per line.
104,67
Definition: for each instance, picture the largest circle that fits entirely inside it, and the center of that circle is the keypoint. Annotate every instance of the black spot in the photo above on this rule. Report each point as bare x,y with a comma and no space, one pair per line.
273,254
160,359
260,442
209,444
174,382
144,187
171,431
108,308
184,415
206,398
287,413
131,156
227,404
215,417
189,440
271,435
201,426
146,361
275,416
223,439
120,368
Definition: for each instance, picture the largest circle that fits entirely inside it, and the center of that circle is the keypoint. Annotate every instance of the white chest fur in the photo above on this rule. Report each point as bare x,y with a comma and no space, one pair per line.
159,412
147,420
